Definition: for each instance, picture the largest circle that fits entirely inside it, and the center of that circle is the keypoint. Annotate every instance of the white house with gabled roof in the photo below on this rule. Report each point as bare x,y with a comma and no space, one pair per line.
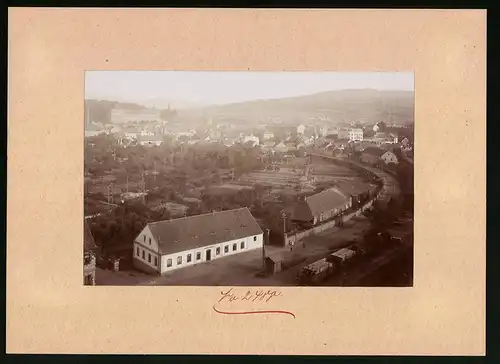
164,246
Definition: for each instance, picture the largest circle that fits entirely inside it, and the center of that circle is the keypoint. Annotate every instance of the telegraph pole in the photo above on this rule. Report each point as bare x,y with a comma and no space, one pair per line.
283,216
143,188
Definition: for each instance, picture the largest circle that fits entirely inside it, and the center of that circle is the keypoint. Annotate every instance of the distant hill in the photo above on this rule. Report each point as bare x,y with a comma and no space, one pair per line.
345,105
165,103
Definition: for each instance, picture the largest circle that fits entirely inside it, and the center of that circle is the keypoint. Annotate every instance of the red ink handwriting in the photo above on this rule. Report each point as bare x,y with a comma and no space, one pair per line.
258,295
254,296
251,312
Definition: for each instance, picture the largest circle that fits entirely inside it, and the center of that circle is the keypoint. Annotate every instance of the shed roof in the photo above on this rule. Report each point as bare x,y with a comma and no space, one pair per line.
202,230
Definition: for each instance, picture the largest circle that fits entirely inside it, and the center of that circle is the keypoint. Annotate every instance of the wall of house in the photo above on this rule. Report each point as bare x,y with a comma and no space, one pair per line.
145,252
146,257
332,213
390,158
249,244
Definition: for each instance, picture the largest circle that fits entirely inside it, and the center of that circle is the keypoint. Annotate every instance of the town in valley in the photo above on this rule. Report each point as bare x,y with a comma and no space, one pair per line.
300,184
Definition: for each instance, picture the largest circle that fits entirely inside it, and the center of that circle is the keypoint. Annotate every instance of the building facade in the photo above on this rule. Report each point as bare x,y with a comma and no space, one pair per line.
168,245
389,157
356,135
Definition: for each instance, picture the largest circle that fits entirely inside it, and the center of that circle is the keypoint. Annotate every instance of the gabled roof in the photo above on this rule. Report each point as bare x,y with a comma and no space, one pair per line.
377,152
280,145
202,230
319,203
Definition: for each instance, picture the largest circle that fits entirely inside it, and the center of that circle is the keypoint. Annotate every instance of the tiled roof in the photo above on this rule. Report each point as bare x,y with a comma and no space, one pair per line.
202,230
319,203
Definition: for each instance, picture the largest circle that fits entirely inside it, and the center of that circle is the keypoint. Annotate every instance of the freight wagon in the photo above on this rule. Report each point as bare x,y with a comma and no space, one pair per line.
340,257
316,272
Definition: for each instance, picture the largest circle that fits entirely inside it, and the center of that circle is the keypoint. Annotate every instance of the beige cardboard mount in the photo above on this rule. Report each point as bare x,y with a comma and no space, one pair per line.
50,311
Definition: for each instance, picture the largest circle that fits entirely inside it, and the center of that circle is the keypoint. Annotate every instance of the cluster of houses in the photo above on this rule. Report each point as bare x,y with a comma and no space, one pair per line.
145,127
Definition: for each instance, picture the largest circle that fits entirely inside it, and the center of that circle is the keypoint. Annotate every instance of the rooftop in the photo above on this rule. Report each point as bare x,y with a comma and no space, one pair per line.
202,230
319,203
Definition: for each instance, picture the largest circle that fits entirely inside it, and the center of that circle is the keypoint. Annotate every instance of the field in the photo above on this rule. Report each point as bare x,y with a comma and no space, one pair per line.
290,178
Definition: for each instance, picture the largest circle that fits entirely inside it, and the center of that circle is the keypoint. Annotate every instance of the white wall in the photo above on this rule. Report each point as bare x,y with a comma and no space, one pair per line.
138,248
250,244
146,243
147,239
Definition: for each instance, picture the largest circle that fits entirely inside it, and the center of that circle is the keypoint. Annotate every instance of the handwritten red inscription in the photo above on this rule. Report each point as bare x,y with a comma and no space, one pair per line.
262,296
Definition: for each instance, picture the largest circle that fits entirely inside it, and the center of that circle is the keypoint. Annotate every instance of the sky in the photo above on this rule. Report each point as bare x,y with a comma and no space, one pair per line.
206,88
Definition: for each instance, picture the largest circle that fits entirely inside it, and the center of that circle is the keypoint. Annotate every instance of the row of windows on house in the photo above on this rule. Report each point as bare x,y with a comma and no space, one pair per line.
189,256
198,254
138,252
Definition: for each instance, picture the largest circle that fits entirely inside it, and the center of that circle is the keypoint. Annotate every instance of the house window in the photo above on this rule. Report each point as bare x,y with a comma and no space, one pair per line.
254,238
156,261
234,247
169,262
144,238
149,257
242,245
198,256
143,254
179,260
217,251
137,251
226,249
188,259
149,241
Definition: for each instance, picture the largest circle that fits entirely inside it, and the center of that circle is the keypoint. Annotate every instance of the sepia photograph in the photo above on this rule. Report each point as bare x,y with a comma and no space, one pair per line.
232,178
